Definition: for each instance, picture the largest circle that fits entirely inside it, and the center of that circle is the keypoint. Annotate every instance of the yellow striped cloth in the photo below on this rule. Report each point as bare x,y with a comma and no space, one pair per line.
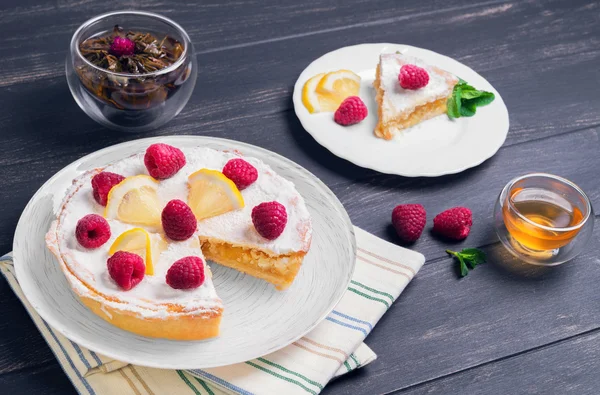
333,348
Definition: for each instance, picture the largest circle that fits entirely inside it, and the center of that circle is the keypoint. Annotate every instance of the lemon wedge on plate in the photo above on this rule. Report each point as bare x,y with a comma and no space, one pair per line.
315,102
136,241
326,91
211,194
342,83
134,201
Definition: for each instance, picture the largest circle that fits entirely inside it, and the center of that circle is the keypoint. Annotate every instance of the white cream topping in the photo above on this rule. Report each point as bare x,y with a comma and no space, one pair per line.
150,295
397,99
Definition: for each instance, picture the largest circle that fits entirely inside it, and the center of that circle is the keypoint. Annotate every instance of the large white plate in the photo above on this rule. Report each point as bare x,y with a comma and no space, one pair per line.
257,318
433,148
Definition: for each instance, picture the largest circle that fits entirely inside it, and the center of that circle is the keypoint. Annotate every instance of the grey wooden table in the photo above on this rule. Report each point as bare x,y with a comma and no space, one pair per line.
493,332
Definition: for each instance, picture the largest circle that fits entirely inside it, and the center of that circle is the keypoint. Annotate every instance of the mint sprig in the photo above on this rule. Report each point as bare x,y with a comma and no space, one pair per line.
468,258
465,99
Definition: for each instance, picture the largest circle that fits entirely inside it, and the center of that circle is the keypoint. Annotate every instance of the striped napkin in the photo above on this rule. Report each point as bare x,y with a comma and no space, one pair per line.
333,348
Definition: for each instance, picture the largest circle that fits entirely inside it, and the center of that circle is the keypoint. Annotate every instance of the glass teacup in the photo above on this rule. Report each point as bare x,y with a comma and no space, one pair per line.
543,219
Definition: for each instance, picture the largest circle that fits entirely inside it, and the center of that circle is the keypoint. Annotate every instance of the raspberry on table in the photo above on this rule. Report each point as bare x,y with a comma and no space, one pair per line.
92,231
163,160
351,111
126,269
102,183
122,46
186,273
178,220
454,223
269,219
242,173
409,221
413,77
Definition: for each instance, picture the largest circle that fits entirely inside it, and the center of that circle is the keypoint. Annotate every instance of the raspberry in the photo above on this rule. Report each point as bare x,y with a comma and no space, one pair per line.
92,231
163,160
126,268
413,77
269,219
186,273
242,173
102,183
351,111
122,46
178,220
409,221
454,223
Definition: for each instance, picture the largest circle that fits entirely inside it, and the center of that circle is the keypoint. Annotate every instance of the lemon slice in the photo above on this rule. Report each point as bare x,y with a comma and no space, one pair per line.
315,102
136,241
212,194
341,83
134,201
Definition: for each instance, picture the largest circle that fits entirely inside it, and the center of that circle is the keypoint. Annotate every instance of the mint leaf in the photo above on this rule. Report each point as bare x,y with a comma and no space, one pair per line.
467,110
483,99
452,110
465,99
468,258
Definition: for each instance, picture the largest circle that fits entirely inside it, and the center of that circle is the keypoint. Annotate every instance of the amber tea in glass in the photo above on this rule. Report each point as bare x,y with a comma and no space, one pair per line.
545,212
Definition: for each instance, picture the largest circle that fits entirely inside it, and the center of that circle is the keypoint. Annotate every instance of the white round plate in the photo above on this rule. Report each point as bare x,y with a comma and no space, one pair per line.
257,318
432,148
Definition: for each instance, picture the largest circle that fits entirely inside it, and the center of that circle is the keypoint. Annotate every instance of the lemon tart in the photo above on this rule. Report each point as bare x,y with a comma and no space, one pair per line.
225,234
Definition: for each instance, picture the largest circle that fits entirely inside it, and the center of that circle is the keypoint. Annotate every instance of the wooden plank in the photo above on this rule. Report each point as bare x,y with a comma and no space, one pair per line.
213,26
48,379
566,367
442,325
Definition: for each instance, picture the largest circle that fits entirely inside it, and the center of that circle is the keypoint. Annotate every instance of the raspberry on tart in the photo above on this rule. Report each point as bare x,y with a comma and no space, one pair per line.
102,183
126,269
242,173
178,220
269,219
163,160
186,273
92,231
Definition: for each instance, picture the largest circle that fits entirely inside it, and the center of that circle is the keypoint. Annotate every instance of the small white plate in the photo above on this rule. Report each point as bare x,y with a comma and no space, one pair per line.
257,318
432,148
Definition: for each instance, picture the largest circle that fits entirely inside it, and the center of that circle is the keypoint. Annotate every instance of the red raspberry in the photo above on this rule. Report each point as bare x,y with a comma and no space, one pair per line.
163,160
92,231
102,183
178,220
454,223
351,111
186,273
122,46
269,219
242,173
126,268
409,221
413,77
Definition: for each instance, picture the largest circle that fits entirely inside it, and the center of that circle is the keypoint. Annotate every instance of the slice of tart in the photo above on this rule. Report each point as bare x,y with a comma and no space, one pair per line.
401,108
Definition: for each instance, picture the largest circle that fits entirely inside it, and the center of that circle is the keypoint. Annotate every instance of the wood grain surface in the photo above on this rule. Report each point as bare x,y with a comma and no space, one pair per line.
503,329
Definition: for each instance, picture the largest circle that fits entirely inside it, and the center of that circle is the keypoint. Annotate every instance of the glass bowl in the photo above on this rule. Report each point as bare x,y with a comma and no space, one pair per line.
124,101
543,219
